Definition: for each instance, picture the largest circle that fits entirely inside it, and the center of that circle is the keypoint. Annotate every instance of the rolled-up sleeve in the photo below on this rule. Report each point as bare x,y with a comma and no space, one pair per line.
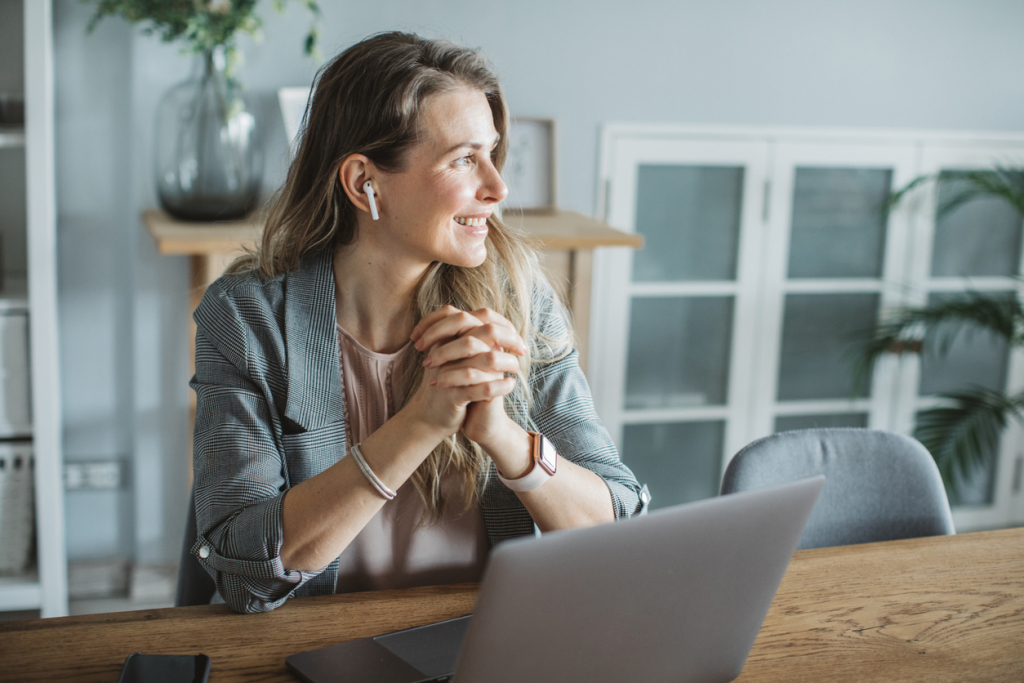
563,410
240,478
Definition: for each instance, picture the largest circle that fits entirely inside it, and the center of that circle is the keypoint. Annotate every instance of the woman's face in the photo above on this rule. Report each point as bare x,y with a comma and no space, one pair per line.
436,209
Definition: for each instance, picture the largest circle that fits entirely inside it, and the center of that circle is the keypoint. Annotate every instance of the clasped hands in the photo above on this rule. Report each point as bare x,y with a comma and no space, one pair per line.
468,356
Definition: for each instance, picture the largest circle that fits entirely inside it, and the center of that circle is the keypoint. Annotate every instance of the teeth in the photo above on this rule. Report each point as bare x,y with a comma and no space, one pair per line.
472,222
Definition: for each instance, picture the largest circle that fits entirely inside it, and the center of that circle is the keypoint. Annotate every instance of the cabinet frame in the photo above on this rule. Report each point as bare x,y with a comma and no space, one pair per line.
907,258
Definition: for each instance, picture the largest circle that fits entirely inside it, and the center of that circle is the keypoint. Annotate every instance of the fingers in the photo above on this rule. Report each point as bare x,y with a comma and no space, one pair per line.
500,337
485,391
480,340
428,320
449,323
450,326
486,315
465,377
457,349
483,367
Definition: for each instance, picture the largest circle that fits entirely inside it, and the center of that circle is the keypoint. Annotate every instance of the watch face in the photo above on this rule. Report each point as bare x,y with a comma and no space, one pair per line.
548,456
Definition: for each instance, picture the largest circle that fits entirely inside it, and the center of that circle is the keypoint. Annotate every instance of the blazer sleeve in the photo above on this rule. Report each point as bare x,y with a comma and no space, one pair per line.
240,473
563,410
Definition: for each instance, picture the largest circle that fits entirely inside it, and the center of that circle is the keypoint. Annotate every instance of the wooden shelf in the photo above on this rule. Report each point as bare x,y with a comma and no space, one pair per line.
181,237
20,592
571,230
12,136
559,230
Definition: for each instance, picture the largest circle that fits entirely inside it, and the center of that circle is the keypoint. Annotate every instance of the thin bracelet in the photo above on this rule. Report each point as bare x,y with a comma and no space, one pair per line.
381,487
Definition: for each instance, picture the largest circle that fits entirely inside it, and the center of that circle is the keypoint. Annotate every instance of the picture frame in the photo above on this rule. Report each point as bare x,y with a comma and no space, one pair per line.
531,169
293,107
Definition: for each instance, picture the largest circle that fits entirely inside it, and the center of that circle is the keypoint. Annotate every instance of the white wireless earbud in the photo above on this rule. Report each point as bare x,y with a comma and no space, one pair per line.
371,195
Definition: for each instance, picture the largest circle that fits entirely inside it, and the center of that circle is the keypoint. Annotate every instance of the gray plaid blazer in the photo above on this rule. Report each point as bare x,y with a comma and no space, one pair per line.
270,414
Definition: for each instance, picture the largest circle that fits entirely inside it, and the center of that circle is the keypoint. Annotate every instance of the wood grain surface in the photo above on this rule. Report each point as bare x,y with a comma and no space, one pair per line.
933,609
555,230
247,648
946,608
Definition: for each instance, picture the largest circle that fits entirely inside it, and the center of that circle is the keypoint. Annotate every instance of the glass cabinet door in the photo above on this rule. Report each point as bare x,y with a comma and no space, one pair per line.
832,269
974,249
769,258
686,298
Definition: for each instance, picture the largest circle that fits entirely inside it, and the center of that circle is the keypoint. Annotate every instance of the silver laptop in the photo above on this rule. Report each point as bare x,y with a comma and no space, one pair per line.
675,596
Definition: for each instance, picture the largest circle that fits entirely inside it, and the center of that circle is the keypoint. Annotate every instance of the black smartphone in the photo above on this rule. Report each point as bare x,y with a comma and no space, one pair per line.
142,668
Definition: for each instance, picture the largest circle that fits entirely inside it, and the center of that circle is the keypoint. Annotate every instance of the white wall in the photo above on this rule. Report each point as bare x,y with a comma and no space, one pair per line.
870,63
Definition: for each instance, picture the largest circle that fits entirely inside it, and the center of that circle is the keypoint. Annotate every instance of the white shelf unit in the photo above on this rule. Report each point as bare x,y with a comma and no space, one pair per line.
45,586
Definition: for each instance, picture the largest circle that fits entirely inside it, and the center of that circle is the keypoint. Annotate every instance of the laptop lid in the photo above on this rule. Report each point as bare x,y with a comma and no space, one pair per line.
677,595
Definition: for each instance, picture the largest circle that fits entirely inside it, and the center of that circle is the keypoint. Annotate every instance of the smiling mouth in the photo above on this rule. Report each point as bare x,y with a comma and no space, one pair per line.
472,222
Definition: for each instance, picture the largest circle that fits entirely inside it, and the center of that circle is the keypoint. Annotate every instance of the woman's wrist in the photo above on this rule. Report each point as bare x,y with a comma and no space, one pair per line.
417,419
510,449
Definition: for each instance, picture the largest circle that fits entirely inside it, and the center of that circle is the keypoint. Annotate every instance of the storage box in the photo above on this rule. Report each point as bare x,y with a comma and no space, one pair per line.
17,507
15,396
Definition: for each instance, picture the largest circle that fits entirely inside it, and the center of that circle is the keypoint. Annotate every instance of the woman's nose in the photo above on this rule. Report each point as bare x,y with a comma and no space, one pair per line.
492,187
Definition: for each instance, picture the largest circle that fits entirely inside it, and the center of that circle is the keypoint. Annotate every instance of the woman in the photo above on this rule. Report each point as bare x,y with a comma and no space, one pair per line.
387,388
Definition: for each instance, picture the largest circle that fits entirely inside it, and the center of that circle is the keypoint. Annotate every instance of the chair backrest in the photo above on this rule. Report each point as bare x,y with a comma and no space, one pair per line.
879,486
195,586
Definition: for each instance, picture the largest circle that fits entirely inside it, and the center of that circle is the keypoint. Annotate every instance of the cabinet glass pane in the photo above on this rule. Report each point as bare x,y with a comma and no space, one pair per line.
680,462
787,423
678,351
973,357
690,219
977,488
981,237
821,335
838,227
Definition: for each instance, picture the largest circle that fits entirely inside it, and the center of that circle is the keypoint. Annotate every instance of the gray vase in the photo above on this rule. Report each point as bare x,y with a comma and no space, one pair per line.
208,165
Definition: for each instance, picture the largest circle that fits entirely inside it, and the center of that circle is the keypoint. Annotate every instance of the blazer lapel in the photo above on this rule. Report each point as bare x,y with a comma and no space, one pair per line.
314,380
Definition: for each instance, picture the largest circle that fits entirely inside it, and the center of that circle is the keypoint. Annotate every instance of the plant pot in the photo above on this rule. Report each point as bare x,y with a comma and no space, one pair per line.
208,166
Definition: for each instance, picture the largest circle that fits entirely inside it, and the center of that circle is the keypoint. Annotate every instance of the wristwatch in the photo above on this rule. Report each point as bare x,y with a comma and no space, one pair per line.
545,464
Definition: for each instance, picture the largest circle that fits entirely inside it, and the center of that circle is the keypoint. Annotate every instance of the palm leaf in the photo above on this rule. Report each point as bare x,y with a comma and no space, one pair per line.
941,322
899,195
1002,183
965,434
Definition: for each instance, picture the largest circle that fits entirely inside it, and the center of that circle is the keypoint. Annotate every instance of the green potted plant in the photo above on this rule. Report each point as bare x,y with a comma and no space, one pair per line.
208,166
963,432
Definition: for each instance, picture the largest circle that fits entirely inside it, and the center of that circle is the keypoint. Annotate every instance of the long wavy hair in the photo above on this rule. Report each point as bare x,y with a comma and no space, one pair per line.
368,100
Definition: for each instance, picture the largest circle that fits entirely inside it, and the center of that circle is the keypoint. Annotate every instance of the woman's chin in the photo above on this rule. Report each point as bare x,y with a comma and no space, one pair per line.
469,258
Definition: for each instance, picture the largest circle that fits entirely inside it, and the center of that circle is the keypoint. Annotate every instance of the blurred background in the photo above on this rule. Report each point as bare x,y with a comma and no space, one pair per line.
752,144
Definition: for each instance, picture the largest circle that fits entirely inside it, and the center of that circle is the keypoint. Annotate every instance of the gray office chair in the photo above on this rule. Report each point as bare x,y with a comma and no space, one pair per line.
879,486
195,586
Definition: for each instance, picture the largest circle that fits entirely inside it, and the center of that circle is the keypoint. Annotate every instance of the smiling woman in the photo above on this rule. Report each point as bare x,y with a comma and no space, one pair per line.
436,208
387,387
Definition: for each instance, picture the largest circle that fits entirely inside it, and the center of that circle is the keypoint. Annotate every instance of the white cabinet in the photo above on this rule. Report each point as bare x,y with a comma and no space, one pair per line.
30,404
767,254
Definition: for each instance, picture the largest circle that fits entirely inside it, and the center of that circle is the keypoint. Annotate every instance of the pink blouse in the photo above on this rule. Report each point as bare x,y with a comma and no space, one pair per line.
392,550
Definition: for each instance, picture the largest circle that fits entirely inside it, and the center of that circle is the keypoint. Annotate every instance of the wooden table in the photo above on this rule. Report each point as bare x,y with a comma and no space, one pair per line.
933,609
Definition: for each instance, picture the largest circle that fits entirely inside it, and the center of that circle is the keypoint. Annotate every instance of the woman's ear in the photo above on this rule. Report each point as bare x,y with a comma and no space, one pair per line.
354,172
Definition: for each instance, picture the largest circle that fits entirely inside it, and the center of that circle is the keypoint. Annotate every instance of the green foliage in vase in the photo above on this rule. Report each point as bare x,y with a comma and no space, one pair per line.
202,24
963,433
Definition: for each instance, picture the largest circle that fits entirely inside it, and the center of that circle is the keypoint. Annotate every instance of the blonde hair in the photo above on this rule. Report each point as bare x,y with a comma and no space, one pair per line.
368,100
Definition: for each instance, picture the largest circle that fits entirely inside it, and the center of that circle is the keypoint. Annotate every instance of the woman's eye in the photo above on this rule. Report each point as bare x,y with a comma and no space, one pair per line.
464,161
